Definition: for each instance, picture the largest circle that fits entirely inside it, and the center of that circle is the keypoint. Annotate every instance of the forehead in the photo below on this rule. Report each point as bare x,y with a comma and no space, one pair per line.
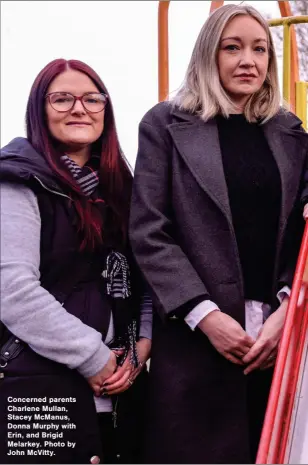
72,81
244,26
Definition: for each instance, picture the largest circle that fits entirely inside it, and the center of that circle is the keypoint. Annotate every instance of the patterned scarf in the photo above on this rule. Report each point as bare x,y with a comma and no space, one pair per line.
117,272
87,176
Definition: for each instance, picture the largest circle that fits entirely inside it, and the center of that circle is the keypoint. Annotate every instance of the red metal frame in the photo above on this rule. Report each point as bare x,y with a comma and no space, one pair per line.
276,428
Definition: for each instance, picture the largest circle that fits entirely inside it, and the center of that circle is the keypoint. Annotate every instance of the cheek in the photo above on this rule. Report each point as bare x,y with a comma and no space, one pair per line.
53,123
99,126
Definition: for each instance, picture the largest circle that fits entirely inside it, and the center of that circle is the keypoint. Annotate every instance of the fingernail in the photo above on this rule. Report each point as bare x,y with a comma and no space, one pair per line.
95,459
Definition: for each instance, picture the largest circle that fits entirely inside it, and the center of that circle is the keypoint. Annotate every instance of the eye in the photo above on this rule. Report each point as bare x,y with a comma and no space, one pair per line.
261,49
232,47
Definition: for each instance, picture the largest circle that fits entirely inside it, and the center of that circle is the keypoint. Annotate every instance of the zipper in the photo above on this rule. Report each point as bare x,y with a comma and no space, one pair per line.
50,190
115,413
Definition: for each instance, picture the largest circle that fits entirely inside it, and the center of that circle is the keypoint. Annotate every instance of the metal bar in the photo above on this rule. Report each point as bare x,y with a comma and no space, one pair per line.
288,20
163,50
286,62
301,102
278,384
215,5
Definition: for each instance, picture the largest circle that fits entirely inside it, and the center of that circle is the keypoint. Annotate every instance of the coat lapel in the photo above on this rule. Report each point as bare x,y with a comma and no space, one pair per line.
198,144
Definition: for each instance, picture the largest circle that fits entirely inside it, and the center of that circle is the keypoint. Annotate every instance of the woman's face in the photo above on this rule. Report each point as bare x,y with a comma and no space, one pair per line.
75,128
243,58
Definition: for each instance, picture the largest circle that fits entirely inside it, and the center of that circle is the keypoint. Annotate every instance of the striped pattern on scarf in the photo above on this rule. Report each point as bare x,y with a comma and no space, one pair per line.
86,177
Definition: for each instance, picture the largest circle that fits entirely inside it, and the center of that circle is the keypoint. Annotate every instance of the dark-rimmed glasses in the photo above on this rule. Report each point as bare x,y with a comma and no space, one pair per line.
92,102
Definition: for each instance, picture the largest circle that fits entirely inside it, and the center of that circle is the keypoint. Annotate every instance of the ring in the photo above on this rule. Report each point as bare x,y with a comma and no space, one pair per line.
130,381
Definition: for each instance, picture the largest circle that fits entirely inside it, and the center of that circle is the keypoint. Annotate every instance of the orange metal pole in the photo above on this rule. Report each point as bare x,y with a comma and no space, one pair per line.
285,10
215,5
163,50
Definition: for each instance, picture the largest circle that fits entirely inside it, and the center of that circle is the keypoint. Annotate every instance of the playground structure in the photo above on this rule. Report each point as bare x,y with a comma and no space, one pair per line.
294,91
285,431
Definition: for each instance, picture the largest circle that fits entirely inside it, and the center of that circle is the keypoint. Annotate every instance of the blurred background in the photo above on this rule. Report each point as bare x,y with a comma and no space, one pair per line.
119,40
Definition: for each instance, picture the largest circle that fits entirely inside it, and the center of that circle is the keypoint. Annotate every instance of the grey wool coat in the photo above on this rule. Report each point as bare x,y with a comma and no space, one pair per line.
183,240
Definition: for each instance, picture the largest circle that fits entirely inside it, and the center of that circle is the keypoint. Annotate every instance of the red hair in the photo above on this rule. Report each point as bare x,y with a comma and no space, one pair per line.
115,174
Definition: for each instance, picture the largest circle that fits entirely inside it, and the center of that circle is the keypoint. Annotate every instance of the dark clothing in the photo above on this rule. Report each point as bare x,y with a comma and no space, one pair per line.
30,374
184,240
254,191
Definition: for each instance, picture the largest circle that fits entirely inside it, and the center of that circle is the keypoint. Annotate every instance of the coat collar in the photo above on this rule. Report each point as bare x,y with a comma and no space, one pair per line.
198,144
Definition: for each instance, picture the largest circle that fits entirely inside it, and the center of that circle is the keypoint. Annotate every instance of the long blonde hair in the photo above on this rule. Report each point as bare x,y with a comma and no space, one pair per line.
202,91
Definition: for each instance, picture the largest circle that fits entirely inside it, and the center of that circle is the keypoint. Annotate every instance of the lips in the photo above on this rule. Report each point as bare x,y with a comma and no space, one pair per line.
78,123
246,76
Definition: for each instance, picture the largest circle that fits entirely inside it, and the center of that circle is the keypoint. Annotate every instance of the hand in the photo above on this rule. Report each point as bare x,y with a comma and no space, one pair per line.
305,213
143,350
263,353
98,380
226,335
125,375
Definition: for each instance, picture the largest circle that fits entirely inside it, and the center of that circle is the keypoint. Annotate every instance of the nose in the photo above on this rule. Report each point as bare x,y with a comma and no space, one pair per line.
247,59
78,108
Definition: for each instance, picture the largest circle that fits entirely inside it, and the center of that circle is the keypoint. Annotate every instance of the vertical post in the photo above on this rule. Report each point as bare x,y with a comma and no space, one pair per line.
163,50
215,5
301,102
287,62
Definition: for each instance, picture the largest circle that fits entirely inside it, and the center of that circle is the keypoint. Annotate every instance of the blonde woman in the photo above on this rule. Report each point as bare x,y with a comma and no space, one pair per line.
216,228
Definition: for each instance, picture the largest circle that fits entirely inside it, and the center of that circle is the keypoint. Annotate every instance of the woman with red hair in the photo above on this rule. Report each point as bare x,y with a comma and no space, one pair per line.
75,317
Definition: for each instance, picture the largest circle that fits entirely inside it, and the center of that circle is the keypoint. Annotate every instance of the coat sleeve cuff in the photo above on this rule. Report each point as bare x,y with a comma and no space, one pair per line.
199,312
96,362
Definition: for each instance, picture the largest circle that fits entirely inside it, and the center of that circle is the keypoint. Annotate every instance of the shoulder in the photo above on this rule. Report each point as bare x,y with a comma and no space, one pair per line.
287,119
18,197
159,115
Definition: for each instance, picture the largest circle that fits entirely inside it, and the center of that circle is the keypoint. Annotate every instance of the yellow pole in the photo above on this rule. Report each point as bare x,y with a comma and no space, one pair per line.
287,63
301,102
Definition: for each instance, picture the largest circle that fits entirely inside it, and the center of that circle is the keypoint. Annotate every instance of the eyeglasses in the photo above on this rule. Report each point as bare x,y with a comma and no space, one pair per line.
92,102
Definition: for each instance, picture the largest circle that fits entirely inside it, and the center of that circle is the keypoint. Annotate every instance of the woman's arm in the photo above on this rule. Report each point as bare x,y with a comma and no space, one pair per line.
168,271
29,311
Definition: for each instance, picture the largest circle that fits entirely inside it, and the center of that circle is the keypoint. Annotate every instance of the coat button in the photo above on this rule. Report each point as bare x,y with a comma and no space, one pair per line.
16,341
6,353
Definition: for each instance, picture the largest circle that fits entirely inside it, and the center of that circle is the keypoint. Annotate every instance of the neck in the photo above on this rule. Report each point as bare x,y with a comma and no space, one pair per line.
80,156
239,104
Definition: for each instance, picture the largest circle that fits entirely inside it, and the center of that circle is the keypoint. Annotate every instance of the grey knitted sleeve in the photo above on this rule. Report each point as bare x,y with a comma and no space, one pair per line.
29,311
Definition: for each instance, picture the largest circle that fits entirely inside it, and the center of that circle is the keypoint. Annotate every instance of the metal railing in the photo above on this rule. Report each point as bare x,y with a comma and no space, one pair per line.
287,24
276,435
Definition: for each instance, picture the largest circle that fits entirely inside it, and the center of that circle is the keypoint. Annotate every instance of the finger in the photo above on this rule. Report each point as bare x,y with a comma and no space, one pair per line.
268,365
270,361
118,352
233,359
258,362
254,352
118,373
110,387
96,389
240,353
122,388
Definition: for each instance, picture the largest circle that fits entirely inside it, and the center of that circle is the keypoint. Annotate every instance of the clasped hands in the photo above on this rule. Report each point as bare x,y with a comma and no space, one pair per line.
113,378
231,340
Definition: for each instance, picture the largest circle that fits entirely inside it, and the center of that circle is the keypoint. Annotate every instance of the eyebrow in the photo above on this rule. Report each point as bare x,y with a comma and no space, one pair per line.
260,39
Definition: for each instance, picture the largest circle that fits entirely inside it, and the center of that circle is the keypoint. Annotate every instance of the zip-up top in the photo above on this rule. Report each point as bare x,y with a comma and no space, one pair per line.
20,162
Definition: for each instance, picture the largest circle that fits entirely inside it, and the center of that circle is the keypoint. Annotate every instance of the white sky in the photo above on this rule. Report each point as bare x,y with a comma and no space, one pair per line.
117,38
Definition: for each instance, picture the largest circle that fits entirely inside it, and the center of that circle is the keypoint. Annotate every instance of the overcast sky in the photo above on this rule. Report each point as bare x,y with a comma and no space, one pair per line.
117,38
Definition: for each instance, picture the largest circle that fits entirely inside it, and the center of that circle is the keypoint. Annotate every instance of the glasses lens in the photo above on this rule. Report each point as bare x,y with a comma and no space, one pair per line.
94,102
61,101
